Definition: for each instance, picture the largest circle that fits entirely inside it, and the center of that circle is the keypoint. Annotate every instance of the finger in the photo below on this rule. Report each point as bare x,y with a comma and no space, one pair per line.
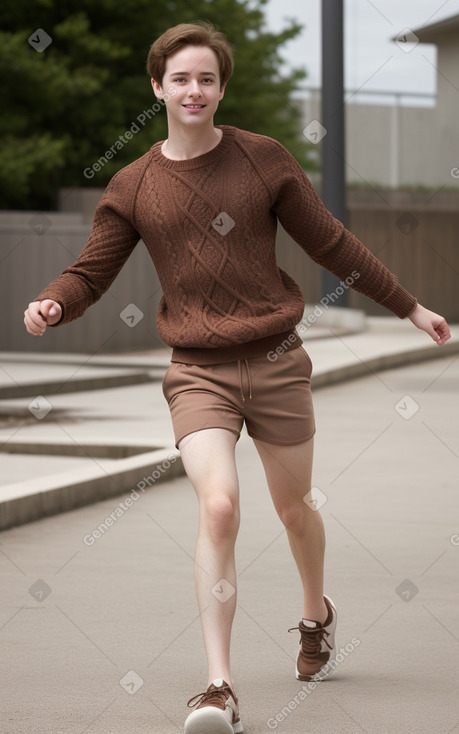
442,328
36,317
54,314
443,332
34,308
51,311
33,328
46,307
34,323
444,337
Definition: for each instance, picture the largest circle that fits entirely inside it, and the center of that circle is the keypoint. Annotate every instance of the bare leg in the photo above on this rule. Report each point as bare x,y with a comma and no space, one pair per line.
209,460
288,472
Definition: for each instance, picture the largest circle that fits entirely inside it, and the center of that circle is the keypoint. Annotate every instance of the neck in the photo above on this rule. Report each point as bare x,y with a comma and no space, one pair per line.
183,144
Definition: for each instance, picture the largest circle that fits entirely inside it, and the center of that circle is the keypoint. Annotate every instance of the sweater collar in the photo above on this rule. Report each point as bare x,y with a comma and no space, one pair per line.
199,161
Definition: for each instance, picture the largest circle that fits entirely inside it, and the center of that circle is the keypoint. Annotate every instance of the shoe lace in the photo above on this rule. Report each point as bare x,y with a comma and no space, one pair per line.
311,640
214,697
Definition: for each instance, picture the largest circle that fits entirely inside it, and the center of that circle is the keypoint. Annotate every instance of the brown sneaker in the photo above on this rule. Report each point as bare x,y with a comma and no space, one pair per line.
216,711
317,645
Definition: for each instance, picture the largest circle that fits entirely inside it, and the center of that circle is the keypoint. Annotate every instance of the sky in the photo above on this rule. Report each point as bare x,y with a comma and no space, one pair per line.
372,60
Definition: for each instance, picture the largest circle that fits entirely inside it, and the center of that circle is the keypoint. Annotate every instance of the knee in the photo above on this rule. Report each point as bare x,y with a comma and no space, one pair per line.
292,515
220,513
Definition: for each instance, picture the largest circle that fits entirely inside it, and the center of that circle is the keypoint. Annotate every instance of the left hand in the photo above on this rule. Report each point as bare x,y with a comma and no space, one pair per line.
431,323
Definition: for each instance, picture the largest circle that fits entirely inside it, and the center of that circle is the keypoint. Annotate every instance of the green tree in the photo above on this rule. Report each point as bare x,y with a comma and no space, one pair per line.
70,103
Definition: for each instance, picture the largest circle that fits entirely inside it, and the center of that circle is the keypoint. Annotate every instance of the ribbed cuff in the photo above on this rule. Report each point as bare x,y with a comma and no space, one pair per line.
400,302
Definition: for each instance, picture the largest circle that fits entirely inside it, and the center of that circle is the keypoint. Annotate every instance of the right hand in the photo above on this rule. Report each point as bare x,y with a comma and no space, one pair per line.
40,314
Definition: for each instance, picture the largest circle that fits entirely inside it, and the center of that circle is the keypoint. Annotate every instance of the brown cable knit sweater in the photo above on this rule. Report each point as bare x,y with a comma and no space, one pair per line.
209,224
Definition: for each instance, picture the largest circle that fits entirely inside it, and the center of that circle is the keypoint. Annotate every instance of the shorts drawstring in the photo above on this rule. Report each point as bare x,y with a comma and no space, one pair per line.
239,367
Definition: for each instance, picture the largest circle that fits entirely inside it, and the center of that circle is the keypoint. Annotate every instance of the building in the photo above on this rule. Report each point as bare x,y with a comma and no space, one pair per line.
413,140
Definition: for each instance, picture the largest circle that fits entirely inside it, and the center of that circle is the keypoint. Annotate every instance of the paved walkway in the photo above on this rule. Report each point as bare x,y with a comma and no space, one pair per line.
100,633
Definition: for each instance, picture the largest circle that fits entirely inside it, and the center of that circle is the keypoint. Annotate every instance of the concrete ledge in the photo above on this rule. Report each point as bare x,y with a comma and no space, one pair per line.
25,502
351,319
325,321
88,449
154,359
362,368
75,384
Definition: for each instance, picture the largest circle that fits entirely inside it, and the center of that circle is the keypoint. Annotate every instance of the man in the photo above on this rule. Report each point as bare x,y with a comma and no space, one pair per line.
206,203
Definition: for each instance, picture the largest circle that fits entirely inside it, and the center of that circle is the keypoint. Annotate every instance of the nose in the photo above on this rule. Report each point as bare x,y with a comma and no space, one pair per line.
195,89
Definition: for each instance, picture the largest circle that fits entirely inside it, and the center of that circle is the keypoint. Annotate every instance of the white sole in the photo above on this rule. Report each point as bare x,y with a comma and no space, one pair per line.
320,675
210,720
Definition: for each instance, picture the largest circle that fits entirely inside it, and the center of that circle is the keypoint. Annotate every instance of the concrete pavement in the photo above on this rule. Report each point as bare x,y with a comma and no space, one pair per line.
100,631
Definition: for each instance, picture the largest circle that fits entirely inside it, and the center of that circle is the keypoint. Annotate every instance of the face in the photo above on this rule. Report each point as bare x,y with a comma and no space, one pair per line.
193,75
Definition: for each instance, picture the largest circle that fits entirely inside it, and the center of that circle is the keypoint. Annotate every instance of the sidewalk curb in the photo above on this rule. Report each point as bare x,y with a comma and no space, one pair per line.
25,502
363,368
53,387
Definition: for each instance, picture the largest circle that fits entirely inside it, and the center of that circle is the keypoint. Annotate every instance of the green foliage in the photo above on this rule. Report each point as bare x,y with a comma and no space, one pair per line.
70,103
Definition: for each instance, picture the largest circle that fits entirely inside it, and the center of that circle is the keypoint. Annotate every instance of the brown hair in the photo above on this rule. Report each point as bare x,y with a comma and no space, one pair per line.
174,39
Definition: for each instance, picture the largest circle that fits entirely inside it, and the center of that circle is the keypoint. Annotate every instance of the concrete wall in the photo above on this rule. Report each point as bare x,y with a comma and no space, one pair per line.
400,145
30,260
413,234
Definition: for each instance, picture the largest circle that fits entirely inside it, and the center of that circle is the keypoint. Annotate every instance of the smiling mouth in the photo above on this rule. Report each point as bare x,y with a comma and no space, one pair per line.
194,106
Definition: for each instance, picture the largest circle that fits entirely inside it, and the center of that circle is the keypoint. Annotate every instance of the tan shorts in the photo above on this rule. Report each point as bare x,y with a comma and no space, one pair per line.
272,397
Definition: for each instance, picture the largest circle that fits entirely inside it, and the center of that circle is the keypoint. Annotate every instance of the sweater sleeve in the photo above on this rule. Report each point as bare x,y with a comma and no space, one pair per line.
325,239
111,241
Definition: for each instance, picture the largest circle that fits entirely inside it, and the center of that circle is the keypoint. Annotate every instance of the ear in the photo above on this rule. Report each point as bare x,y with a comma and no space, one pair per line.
157,89
222,92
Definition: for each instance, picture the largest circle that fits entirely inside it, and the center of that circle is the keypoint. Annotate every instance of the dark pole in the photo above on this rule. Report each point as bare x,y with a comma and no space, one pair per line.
333,144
